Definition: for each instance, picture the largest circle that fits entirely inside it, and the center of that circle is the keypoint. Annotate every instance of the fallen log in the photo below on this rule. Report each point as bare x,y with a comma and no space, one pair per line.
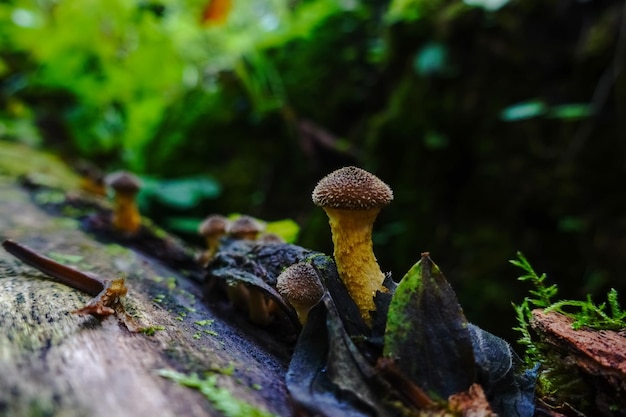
58,363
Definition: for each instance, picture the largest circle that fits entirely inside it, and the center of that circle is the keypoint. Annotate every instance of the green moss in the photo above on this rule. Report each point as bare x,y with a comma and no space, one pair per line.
65,258
171,283
116,250
557,379
151,330
66,222
49,196
220,398
46,169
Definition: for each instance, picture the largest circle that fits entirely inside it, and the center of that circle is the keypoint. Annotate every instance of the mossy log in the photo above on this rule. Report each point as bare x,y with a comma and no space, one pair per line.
57,363
592,364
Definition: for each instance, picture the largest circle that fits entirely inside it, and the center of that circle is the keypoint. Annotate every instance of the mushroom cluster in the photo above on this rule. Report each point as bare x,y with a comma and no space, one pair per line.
245,297
352,199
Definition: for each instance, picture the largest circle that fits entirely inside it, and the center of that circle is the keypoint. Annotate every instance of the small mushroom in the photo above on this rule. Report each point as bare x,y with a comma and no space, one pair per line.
245,227
270,238
300,286
352,198
91,179
126,217
212,229
259,306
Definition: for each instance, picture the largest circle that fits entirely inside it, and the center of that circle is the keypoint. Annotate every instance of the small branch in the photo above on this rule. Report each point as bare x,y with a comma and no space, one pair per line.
106,292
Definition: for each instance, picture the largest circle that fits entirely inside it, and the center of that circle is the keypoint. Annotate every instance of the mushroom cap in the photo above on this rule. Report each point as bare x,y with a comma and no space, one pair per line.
351,188
123,181
299,284
244,225
271,238
214,224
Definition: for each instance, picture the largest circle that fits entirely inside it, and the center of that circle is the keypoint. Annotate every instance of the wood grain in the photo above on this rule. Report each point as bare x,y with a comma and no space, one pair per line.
57,363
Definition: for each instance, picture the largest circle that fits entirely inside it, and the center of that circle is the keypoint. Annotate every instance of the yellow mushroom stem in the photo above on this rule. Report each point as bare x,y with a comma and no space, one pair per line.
126,215
302,310
212,245
354,256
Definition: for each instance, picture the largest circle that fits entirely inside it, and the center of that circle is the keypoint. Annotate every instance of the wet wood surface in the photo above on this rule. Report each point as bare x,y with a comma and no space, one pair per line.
57,363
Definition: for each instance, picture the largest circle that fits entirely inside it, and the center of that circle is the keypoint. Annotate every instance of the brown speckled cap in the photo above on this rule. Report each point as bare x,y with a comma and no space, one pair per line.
215,224
123,181
351,188
244,225
299,283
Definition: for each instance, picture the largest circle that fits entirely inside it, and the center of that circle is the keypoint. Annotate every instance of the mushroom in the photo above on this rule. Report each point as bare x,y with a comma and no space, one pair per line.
91,179
126,217
212,229
352,198
245,227
270,238
259,306
300,286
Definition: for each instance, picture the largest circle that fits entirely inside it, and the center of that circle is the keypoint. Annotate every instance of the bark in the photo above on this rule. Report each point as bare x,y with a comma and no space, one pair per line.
57,363
593,361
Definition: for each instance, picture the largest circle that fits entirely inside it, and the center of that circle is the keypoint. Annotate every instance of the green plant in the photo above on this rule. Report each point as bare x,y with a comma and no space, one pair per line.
584,314
141,72
605,316
592,315
558,380
541,297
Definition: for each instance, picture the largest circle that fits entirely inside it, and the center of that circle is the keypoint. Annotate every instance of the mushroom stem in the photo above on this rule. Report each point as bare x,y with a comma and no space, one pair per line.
126,215
352,198
257,308
238,295
212,245
212,228
354,255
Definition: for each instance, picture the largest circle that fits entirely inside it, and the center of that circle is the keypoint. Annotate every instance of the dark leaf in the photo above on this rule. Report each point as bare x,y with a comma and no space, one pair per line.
327,375
382,300
509,388
427,334
348,313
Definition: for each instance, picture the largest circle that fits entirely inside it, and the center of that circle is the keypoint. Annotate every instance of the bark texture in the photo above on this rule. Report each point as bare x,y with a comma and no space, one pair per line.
56,363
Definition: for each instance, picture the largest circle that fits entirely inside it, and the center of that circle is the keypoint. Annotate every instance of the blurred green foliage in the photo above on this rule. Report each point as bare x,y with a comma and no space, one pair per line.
497,123
116,68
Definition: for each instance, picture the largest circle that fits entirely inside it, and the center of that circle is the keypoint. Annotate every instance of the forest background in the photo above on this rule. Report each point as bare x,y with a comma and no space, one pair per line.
499,125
